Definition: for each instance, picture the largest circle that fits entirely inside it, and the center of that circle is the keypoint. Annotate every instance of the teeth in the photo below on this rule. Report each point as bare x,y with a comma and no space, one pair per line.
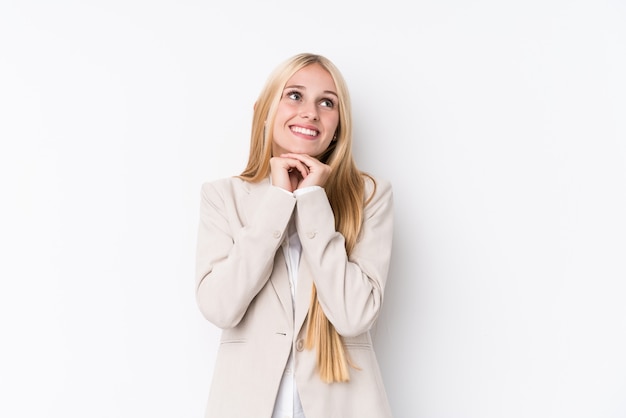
303,130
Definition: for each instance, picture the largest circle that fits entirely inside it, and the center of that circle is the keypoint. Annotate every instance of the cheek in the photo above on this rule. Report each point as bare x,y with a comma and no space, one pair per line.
283,115
280,119
334,123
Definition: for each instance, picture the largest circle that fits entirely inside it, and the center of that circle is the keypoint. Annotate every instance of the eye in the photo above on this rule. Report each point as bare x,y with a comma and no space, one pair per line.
327,103
293,95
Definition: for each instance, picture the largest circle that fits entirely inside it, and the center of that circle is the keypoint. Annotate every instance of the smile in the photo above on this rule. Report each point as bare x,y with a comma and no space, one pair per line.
305,131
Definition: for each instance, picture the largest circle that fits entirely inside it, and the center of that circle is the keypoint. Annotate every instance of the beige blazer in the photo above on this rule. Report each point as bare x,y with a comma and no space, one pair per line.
243,288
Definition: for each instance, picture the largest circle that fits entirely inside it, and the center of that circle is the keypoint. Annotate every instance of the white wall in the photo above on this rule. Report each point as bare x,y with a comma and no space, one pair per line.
500,124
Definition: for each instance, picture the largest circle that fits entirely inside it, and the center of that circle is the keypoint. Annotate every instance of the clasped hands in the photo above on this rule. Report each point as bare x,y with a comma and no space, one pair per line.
297,171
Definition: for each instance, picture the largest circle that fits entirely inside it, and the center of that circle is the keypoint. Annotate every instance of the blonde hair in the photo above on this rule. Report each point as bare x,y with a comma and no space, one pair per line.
344,188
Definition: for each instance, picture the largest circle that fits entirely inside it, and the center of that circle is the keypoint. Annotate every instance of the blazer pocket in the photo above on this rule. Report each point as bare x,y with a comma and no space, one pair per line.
360,341
358,345
233,341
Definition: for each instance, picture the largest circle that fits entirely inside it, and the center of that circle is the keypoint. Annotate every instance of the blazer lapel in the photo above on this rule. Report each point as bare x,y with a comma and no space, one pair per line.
303,294
279,278
280,283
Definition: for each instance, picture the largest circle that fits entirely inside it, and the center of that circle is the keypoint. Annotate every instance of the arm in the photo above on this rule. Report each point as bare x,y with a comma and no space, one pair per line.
234,260
349,290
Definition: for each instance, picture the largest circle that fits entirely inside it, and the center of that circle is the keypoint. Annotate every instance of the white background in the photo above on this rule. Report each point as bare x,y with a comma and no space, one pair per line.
501,124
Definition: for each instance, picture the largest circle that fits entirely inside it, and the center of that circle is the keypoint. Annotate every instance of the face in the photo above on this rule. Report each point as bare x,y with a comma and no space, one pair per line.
308,113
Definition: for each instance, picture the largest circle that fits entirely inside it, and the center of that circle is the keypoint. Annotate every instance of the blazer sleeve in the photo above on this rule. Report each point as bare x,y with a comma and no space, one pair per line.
234,256
350,290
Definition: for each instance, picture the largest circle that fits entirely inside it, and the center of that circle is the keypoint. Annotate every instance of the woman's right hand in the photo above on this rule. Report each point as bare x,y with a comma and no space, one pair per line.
287,173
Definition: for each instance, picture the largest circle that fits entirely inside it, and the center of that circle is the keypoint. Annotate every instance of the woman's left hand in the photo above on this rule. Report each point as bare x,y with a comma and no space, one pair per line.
318,172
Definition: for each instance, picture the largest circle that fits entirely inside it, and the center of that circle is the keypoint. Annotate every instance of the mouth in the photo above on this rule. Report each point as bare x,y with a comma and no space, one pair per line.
304,131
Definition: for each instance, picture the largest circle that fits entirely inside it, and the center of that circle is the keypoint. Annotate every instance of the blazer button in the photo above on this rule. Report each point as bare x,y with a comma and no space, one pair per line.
276,234
300,345
310,234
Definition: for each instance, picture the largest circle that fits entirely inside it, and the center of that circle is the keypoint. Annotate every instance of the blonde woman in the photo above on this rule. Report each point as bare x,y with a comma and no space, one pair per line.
292,259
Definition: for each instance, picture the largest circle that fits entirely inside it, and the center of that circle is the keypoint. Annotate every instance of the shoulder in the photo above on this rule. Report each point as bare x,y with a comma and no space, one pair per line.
232,189
378,196
222,184
376,188
231,185
221,190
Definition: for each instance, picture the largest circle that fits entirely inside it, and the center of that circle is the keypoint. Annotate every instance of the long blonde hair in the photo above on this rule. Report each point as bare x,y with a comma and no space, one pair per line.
344,188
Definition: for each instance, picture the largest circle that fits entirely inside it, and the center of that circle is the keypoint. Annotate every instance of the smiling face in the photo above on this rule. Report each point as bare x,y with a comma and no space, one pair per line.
307,114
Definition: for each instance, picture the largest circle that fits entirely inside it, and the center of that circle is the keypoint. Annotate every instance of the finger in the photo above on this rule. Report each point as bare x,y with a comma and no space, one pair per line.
284,164
304,158
302,168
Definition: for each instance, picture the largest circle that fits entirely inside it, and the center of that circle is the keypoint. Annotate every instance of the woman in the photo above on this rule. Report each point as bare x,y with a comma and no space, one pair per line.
292,259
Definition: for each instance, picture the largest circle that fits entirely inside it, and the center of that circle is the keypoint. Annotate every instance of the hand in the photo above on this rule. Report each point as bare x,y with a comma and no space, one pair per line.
287,173
296,171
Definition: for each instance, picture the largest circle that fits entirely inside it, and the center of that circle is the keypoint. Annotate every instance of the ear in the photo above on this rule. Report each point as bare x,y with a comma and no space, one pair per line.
254,107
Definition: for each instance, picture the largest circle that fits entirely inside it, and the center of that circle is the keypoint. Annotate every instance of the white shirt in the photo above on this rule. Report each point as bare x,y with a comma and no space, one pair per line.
287,400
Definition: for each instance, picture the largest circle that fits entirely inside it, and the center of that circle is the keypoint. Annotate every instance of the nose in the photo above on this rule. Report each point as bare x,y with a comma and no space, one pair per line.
309,111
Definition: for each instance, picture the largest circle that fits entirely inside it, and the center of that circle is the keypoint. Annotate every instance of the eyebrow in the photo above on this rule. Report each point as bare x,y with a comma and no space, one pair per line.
304,88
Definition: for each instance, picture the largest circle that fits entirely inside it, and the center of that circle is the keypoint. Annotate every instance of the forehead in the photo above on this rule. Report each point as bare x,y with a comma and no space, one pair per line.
313,76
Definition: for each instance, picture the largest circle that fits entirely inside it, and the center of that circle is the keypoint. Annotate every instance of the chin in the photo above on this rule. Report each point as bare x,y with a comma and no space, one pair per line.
304,151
